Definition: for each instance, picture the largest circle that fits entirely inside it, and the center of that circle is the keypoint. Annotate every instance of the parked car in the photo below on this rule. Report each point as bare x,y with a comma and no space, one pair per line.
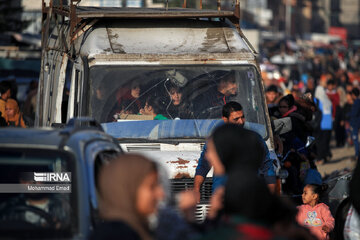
29,157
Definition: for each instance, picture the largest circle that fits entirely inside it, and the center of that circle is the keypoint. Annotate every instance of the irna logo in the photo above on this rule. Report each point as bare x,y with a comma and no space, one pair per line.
52,177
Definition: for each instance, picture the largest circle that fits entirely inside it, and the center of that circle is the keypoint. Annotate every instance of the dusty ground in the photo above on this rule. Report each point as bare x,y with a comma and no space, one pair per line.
341,159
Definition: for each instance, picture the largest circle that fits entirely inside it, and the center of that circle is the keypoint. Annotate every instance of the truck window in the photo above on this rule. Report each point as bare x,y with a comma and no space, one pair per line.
120,93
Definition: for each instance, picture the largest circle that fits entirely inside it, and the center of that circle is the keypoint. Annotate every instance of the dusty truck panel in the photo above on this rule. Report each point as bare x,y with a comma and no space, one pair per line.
166,38
115,61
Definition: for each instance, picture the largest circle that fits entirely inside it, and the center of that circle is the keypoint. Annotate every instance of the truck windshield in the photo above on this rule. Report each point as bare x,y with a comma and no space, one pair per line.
36,205
183,95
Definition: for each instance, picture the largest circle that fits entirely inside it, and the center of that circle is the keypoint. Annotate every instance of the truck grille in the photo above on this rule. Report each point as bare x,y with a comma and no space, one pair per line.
201,212
183,184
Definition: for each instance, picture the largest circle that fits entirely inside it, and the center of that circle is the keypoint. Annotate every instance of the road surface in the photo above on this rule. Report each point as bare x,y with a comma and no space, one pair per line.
341,159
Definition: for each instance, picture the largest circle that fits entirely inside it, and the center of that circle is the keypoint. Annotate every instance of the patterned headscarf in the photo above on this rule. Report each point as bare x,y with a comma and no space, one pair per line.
17,118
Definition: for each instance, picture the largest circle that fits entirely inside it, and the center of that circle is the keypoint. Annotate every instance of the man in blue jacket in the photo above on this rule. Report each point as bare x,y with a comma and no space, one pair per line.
232,112
355,120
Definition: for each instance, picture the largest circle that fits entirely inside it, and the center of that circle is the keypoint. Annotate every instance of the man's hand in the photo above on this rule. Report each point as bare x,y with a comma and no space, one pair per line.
186,202
272,187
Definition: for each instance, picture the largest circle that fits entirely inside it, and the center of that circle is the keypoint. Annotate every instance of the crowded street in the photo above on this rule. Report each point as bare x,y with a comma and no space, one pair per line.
179,120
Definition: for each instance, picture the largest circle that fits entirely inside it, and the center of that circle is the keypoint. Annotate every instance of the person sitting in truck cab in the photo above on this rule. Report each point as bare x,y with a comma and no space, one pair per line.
177,107
216,96
127,100
153,106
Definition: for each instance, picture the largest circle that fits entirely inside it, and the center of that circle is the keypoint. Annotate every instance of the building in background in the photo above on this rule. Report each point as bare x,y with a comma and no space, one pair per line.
32,15
349,17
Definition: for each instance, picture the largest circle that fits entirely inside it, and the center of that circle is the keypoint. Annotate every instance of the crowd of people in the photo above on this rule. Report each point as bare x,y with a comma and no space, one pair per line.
320,96
325,90
244,202
242,205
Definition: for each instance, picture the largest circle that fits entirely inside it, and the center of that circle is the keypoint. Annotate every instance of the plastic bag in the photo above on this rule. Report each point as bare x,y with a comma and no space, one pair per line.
352,225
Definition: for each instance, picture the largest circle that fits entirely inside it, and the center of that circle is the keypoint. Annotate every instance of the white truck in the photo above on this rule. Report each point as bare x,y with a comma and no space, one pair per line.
94,57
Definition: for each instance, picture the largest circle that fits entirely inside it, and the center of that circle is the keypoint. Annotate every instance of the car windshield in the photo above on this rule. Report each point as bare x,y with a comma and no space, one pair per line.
36,199
190,98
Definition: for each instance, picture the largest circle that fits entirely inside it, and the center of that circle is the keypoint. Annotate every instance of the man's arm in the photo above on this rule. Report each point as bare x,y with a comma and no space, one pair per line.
267,169
202,170
198,181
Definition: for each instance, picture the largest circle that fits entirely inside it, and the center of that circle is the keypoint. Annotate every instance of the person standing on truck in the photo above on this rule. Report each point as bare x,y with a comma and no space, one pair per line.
232,112
216,96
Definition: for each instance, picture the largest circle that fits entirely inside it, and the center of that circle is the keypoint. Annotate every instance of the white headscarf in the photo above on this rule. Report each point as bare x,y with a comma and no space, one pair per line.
320,94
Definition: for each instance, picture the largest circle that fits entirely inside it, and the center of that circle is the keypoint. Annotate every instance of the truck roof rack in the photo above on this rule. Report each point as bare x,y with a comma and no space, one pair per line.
81,17
139,13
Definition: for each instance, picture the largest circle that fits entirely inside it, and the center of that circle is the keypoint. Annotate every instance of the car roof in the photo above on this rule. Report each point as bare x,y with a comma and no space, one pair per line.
30,137
49,138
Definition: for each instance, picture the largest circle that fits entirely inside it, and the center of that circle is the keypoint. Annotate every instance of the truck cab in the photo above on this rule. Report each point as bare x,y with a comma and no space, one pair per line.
156,79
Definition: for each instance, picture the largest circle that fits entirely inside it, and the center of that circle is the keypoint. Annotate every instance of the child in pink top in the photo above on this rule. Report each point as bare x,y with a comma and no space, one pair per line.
314,215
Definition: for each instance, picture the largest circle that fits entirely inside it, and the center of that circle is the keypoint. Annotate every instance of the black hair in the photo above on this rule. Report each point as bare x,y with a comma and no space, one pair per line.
330,82
4,86
174,86
134,84
155,103
238,147
272,88
355,91
228,77
230,107
289,99
248,196
318,189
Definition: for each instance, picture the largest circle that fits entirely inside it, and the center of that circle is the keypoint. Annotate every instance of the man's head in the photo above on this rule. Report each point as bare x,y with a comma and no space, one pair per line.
232,112
227,84
271,94
330,85
355,92
5,90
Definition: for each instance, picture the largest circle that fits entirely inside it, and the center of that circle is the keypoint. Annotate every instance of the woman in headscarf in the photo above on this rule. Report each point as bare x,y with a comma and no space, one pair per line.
13,115
252,212
129,192
249,210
